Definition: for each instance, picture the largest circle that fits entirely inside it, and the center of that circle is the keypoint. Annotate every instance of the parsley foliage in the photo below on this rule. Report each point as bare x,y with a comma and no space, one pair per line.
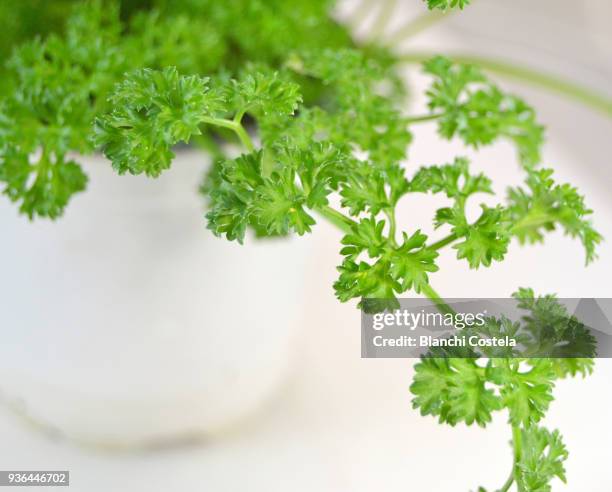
470,389
447,4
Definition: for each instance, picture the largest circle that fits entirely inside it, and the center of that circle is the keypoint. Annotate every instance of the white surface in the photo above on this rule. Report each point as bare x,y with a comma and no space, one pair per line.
345,424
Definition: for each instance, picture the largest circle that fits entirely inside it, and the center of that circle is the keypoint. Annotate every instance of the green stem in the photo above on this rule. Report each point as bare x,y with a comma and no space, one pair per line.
517,444
207,142
360,13
442,242
235,126
532,220
337,218
415,26
509,482
382,20
440,303
390,213
244,137
238,116
423,118
571,90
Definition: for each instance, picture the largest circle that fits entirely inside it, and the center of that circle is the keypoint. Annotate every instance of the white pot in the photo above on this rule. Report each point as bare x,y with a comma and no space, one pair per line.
126,322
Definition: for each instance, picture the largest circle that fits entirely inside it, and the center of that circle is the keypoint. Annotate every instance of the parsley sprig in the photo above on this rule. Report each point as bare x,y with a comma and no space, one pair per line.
307,155
468,388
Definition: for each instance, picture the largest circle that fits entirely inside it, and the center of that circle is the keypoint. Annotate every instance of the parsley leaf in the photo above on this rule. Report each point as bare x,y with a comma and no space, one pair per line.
476,110
544,205
43,187
542,459
412,261
154,110
260,93
447,4
454,390
452,179
485,240
397,268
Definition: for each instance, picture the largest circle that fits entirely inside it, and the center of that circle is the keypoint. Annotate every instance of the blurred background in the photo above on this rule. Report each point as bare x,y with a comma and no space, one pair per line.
335,422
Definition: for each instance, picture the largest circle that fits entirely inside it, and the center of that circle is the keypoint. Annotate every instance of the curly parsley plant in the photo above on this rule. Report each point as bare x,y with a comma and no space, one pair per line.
322,137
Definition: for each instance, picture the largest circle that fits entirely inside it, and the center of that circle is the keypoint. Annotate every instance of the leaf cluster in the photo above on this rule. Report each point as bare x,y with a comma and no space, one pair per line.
527,214
59,85
456,387
447,4
479,112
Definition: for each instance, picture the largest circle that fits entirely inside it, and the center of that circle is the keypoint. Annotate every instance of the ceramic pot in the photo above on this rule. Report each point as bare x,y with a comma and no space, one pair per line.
127,322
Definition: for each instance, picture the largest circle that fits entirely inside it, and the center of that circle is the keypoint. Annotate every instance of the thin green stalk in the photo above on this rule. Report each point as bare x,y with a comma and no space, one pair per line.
509,482
382,20
517,444
338,219
571,90
423,118
532,220
442,242
236,127
420,23
390,213
244,137
429,292
360,13
238,116
208,143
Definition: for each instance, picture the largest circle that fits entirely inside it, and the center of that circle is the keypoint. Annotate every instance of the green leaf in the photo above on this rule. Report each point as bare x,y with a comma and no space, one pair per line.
412,262
358,113
364,190
234,189
544,205
42,188
49,111
498,328
397,268
476,110
320,167
278,208
526,394
153,111
454,390
229,214
484,241
191,43
359,278
366,236
453,179
244,196
373,282
554,333
542,459
263,94
447,4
